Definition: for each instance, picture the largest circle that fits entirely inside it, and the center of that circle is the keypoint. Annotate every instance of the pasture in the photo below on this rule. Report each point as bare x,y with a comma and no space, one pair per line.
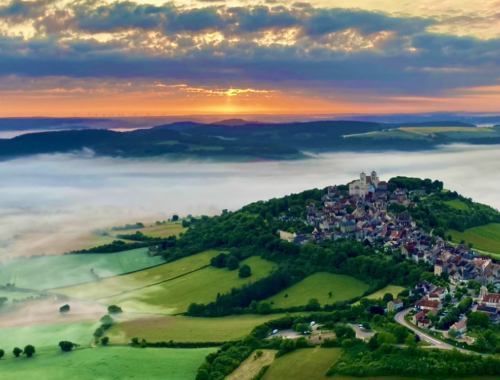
115,285
163,231
318,286
48,272
157,328
18,296
389,134
202,286
433,130
485,238
379,294
306,363
107,363
251,366
458,205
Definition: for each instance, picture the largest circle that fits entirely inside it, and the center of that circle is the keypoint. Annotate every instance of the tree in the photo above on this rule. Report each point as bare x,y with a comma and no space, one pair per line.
186,223
480,342
105,340
385,338
458,296
64,309
232,263
113,309
29,350
99,332
106,320
17,351
2,353
3,300
330,294
66,346
313,305
388,297
245,271
410,341
175,218
303,328
478,319
400,332
264,307
366,326
452,333
448,297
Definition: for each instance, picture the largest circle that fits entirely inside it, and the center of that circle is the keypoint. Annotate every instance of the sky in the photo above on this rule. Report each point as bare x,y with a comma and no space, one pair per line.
208,57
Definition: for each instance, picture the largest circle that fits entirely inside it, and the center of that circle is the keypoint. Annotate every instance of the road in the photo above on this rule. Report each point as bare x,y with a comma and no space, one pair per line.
400,318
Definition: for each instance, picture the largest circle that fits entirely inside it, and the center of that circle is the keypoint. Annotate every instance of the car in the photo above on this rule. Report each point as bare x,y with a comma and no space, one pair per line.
360,326
288,337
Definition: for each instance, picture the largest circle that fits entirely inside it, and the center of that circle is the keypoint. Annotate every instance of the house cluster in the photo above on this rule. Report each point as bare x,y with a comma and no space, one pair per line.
431,302
489,303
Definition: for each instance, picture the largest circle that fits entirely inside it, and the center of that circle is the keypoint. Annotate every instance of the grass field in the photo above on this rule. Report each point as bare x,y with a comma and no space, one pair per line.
49,272
46,337
116,285
173,297
307,363
15,295
391,134
459,205
162,231
106,363
431,130
486,238
188,329
317,286
394,290
251,366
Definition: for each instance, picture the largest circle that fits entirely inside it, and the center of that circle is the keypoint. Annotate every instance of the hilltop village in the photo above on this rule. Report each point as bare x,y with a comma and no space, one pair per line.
361,211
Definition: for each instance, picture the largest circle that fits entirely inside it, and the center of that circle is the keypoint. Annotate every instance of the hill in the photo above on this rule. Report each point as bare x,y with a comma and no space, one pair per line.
235,122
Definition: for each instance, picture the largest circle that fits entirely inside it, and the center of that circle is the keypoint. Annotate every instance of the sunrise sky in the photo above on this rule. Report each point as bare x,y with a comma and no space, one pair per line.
104,58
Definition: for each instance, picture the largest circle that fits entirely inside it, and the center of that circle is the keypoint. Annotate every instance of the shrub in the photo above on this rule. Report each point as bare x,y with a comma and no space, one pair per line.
17,351
29,350
105,340
64,309
66,346
113,309
245,271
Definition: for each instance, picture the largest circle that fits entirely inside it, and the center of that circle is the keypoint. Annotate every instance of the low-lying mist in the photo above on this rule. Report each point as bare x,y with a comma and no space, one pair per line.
48,202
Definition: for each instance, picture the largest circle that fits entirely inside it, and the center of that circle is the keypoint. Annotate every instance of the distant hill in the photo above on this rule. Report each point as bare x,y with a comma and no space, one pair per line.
236,122
437,124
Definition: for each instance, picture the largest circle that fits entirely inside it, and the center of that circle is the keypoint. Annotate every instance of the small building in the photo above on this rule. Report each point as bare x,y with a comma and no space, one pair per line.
492,300
395,305
348,226
460,326
429,305
424,323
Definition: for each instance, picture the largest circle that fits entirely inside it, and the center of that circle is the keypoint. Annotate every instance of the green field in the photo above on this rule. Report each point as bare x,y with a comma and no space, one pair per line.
485,238
162,231
307,363
16,295
317,286
379,294
115,285
46,337
49,272
188,329
107,363
251,366
173,297
459,205
390,134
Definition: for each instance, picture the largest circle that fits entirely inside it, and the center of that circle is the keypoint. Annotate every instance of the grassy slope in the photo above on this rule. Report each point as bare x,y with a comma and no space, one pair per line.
307,363
108,363
430,130
58,271
116,285
188,329
394,290
317,286
486,238
251,366
16,295
46,337
391,134
459,205
202,286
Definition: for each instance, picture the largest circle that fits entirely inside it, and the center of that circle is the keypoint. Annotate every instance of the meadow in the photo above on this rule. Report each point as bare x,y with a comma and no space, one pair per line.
433,130
458,205
11,296
115,285
202,286
379,294
390,134
485,238
318,286
306,363
188,329
251,366
163,231
106,363
49,272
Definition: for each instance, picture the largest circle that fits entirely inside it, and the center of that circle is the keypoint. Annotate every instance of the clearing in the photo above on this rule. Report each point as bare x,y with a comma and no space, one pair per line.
202,286
486,238
115,285
317,286
459,205
306,363
188,329
49,272
108,363
251,366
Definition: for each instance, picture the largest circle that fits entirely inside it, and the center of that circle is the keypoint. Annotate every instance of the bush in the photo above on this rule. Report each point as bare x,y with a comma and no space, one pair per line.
245,271
2,353
17,351
106,321
232,263
29,350
64,309
104,340
113,309
261,373
66,346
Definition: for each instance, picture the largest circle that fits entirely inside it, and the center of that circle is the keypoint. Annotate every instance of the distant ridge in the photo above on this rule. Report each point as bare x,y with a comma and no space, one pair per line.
237,122
450,123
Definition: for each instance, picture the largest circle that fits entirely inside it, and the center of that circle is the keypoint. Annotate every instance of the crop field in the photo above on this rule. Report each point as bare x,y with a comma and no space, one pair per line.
458,205
306,363
105,363
251,366
48,272
394,290
115,285
318,286
173,297
162,231
188,329
46,337
486,238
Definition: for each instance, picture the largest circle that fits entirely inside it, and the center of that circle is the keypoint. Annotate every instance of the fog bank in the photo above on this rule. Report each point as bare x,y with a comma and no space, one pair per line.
47,199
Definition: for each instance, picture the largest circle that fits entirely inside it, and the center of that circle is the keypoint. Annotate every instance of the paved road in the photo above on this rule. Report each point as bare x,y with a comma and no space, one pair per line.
400,318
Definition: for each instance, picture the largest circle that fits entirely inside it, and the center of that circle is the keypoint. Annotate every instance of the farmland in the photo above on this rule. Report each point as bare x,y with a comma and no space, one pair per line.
173,297
116,285
379,294
108,363
317,286
162,231
251,366
48,272
188,329
18,296
308,363
486,238
457,204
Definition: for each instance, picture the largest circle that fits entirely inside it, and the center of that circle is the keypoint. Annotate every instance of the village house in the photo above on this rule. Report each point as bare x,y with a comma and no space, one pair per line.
460,326
395,305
